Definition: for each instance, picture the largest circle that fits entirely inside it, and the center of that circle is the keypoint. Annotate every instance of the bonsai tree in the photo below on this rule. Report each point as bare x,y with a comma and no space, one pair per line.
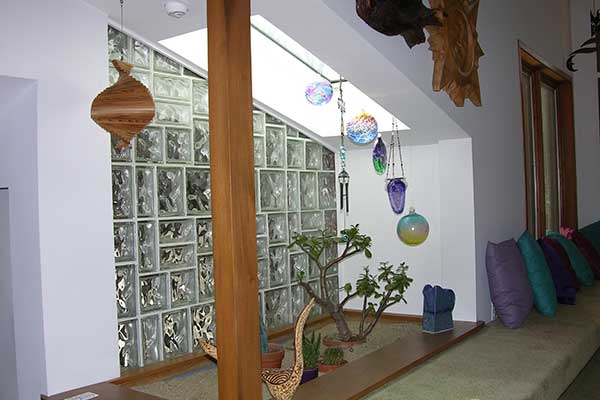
311,350
379,292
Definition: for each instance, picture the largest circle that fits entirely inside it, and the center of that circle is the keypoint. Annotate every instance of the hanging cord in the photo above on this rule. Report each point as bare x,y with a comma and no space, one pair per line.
342,108
122,2
399,147
392,160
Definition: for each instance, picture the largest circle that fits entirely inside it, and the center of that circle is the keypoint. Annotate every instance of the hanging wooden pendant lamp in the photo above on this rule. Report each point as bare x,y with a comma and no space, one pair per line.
125,108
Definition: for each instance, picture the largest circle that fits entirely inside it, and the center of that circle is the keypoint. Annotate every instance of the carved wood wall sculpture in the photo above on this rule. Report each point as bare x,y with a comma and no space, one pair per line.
456,50
397,17
125,108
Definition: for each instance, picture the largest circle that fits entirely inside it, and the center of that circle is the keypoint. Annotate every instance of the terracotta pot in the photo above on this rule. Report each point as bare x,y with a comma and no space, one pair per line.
309,375
274,357
323,368
329,341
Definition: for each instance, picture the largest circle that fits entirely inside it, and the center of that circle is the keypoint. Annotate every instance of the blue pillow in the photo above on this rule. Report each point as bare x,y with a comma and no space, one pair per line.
538,272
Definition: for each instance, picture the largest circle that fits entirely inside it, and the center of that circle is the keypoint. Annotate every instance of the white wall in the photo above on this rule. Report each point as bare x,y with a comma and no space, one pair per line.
587,134
62,45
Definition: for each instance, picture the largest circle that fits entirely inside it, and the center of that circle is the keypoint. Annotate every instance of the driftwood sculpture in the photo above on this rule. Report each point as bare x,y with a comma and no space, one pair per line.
456,50
397,17
125,108
282,383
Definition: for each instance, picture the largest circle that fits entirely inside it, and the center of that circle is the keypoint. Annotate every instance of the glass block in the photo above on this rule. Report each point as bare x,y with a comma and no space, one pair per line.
293,191
171,87
313,155
257,191
147,247
259,151
333,287
143,77
201,141
170,191
149,145
165,64
203,324
316,287
113,76
124,239
206,279
153,292
273,120
292,132
261,248
278,232
177,256
259,123
328,160
179,145
327,198
145,191
175,333
176,231
150,339
295,153
311,220
308,190
141,54
272,190
183,288
277,308
331,221
173,113
204,235
118,45
261,225
278,266
298,264
122,188
198,191
275,147
200,96
125,288
128,344
293,225
119,153
297,300
329,254
263,273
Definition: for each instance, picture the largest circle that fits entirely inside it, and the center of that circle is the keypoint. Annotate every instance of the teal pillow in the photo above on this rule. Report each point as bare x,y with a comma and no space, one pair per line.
582,268
592,233
538,272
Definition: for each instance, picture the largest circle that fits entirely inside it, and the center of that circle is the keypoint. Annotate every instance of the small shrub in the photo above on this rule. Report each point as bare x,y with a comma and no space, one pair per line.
311,349
333,356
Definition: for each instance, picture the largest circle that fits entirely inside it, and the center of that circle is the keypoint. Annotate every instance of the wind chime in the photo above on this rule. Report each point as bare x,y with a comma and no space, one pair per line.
343,177
396,186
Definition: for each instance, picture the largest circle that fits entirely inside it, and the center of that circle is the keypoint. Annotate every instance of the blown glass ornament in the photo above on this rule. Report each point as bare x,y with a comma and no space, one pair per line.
379,156
413,229
396,188
319,93
362,129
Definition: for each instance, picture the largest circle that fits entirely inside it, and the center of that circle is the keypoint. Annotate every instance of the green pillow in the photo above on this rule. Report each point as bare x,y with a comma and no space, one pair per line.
592,233
538,272
582,268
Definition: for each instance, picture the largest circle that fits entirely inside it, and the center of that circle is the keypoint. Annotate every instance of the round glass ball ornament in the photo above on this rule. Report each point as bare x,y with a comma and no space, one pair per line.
319,93
362,129
413,229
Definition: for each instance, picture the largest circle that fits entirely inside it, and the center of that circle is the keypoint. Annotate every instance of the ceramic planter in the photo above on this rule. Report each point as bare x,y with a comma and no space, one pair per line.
274,357
324,368
309,375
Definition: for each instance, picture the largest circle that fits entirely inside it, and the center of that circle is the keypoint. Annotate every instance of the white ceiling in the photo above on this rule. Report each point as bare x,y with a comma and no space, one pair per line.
328,36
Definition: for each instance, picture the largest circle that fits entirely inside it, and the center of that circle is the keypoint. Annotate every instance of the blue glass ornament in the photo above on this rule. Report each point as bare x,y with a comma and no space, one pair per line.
379,157
396,189
319,93
362,129
413,229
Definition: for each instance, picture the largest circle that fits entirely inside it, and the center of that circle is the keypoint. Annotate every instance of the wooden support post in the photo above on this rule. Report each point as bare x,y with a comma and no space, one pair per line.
233,204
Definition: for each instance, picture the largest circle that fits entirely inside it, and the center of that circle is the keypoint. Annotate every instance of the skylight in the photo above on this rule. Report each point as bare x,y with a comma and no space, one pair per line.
281,70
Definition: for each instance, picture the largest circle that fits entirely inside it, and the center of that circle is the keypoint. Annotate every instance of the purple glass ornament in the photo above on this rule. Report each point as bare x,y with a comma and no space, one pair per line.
396,189
379,157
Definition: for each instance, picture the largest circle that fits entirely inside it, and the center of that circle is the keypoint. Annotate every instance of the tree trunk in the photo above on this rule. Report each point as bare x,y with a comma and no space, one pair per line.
344,332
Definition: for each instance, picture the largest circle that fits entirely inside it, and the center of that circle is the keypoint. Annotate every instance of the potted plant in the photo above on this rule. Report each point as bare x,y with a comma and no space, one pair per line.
378,292
271,354
333,358
311,350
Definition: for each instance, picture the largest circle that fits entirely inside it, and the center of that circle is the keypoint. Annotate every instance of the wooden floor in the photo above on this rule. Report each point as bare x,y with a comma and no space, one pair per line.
368,373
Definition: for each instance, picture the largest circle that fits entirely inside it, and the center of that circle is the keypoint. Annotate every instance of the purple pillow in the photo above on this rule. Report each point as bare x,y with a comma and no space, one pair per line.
565,292
509,285
589,252
566,263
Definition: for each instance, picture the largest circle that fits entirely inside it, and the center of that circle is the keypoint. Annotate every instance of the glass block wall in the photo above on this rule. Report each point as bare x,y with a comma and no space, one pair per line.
162,221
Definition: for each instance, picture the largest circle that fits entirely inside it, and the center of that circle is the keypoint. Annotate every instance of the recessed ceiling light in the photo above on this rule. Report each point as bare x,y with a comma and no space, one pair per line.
176,9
